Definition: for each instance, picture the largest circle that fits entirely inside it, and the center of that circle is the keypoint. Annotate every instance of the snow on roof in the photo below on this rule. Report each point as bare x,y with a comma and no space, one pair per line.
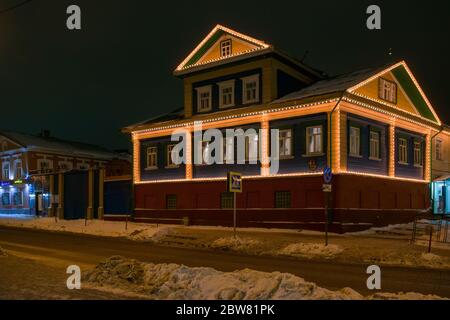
335,84
59,145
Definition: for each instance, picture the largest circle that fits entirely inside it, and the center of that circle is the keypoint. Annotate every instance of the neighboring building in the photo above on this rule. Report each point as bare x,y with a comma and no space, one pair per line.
372,127
441,172
34,165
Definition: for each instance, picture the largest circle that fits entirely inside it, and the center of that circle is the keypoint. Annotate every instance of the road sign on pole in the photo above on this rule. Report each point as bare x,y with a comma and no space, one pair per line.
234,185
327,189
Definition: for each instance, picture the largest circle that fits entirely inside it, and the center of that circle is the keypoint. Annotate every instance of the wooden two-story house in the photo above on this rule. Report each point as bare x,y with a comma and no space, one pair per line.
372,127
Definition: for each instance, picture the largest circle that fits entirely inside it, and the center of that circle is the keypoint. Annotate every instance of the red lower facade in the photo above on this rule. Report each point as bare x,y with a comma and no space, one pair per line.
358,203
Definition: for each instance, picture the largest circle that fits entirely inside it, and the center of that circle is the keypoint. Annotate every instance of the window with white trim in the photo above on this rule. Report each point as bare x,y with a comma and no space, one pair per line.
226,94
152,158
251,148
18,170
204,98
374,145
18,198
402,151
314,140
250,89
285,141
438,147
6,199
172,156
6,170
65,166
44,165
418,157
225,48
387,90
355,141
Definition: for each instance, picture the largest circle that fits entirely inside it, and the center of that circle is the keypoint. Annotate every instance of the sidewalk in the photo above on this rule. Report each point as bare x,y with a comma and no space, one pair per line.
382,246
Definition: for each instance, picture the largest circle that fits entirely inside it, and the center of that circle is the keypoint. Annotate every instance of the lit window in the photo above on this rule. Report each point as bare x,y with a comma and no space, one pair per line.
18,198
282,199
226,200
6,199
403,151
285,140
314,140
438,148
172,157
204,99
5,170
388,90
418,158
374,145
226,90
355,141
225,48
250,89
18,171
152,158
171,202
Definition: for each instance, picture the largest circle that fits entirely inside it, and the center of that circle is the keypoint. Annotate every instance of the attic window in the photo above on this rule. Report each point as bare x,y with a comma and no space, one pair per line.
387,90
225,48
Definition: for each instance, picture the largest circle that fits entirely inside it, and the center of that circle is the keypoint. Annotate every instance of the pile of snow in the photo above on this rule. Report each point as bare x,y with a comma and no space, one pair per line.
150,234
404,296
416,259
235,244
311,250
178,282
3,253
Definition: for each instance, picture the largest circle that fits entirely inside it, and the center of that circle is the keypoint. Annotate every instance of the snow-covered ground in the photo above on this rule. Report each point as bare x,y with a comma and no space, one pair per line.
385,246
178,282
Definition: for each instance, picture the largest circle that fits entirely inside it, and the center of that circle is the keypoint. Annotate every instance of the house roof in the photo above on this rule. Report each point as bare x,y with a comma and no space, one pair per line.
336,84
74,148
176,114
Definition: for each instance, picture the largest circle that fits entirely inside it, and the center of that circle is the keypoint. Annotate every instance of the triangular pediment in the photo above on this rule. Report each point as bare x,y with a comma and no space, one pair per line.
210,48
7,144
409,97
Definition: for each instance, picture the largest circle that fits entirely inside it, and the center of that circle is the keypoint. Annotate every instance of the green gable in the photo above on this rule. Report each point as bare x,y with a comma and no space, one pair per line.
413,93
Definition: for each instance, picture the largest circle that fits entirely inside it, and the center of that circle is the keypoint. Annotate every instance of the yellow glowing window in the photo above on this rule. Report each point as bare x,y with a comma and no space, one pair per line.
225,48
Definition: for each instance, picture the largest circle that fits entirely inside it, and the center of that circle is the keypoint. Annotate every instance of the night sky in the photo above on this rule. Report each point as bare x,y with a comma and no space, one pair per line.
86,85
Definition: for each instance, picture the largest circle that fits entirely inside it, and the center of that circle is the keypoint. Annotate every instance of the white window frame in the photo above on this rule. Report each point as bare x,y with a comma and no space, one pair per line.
387,90
69,165
6,166
438,146
316,151
283,142
374,145
16,167
355,141
403,151
39,164
245,81
153,152
418,154
226,85
169,155
21,198
226,48
200,91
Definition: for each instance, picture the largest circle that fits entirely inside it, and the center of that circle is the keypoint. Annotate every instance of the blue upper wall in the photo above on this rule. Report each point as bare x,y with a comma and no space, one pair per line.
409,170
215,90
300,162
364,163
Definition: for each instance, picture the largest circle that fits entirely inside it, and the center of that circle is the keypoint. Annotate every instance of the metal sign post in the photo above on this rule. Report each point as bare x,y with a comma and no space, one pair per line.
327,189
234,185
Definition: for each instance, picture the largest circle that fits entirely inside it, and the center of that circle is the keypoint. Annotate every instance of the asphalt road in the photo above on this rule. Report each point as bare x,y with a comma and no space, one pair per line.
87,251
